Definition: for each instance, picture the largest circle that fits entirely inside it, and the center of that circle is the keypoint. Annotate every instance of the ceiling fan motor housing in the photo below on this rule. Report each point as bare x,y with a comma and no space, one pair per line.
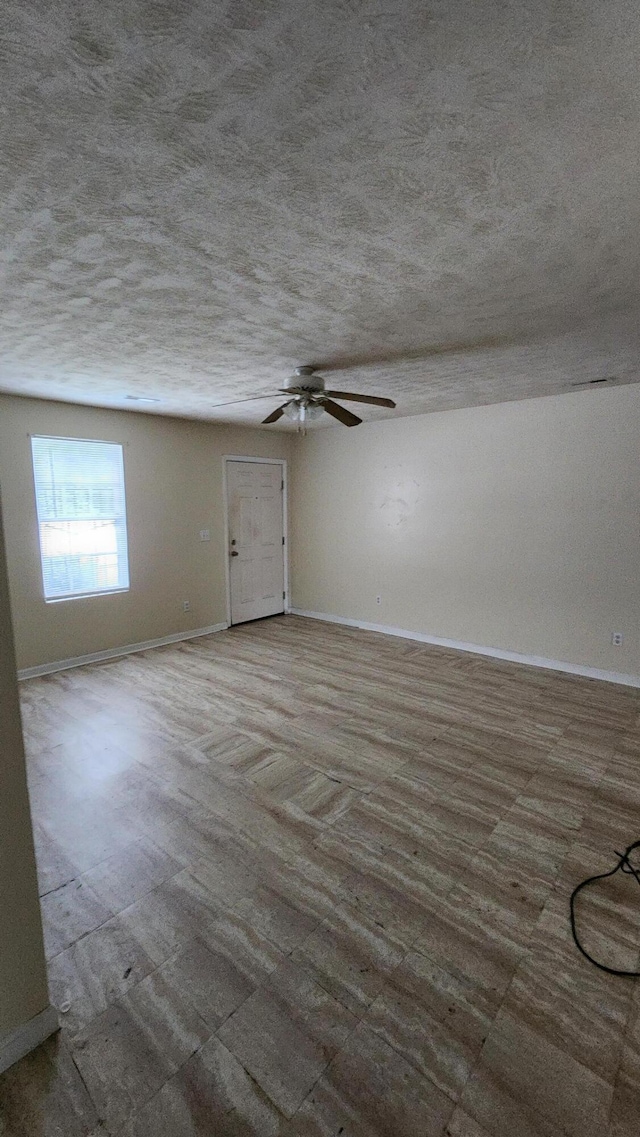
305,379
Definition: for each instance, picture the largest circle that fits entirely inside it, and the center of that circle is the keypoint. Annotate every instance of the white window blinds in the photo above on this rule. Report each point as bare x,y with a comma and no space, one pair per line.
82,522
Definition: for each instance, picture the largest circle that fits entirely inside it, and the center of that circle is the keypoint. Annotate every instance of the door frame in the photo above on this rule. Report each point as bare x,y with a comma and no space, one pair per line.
285,523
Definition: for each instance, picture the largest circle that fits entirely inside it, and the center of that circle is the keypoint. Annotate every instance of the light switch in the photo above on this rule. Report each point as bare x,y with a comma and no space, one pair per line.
205,535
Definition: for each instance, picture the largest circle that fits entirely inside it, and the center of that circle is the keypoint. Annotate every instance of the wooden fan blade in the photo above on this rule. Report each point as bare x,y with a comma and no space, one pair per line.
413,354
275,415
341,413
249,399
348,396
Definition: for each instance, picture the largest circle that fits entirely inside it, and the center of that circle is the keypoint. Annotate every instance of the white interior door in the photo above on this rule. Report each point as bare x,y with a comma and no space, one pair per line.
256,539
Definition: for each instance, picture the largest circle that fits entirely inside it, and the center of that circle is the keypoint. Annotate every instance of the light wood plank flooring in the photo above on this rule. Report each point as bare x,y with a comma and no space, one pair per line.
300,880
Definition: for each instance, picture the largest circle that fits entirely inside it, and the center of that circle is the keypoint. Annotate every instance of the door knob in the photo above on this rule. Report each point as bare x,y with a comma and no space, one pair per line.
234,553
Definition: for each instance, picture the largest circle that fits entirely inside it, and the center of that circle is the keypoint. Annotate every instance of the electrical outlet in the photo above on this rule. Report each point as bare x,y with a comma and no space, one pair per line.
378,600
185,605
616,639
205,535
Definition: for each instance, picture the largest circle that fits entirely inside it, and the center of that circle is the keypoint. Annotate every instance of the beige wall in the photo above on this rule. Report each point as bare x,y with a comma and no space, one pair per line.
173,473
513,526
23,980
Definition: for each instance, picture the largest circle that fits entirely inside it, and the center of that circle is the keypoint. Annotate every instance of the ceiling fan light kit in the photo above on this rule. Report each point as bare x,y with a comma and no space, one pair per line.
298,410
310,400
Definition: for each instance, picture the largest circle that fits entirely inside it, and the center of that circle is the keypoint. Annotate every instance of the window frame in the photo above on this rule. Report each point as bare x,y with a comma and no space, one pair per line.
120,588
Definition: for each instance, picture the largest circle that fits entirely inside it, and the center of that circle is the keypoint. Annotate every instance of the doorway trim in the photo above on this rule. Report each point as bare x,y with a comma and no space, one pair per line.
285,522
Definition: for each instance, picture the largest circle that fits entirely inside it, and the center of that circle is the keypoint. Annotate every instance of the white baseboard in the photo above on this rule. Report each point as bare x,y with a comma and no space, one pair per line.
116,652
26,1037
477,649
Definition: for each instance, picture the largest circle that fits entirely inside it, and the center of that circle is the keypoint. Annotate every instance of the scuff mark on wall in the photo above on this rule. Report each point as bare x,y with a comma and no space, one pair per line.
398,497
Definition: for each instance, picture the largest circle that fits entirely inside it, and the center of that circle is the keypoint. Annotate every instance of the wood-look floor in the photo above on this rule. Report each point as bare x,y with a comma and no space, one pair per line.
305,881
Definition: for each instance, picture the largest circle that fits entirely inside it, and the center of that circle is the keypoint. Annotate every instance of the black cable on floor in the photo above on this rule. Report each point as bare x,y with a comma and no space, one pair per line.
624,865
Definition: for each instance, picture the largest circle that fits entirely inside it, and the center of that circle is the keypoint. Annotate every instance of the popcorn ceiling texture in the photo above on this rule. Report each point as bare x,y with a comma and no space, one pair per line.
196,197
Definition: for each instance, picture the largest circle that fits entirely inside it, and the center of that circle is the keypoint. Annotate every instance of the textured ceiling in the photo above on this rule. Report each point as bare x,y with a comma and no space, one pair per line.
196,197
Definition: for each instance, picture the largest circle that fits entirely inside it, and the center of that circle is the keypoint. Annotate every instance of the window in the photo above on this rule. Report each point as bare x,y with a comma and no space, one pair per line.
82,521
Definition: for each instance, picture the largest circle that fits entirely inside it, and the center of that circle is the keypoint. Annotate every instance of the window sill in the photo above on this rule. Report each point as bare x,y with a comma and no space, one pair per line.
85,595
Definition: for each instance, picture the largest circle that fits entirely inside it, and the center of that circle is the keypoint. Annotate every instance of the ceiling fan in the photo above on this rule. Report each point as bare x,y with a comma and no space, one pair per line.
308,400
